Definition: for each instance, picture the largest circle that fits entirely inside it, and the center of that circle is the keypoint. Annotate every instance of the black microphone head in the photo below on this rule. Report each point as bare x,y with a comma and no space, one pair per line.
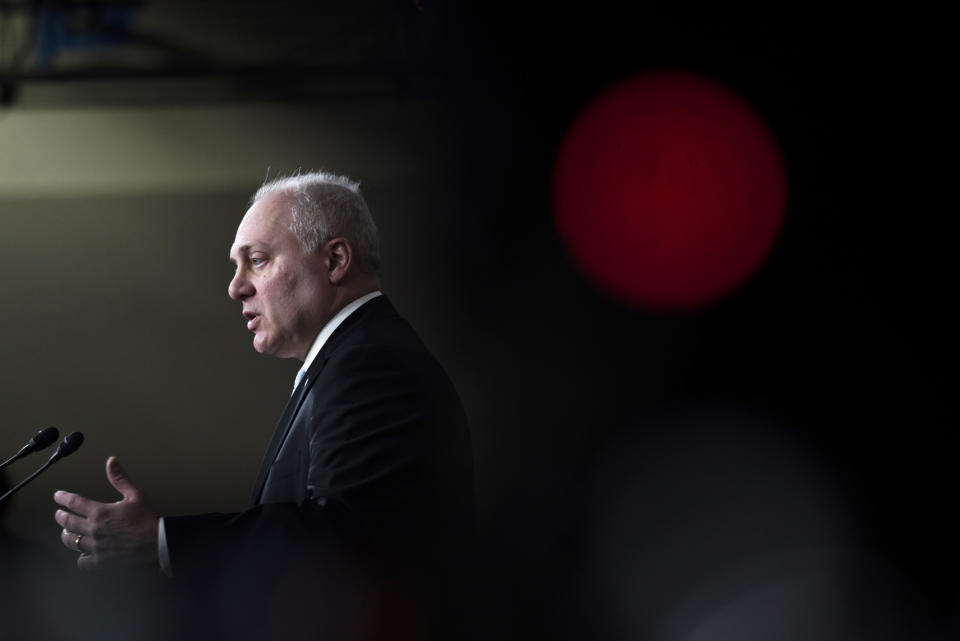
69,445
44,439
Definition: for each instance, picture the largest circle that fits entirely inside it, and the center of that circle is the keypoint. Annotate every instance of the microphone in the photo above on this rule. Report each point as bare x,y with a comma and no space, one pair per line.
42,440
68,446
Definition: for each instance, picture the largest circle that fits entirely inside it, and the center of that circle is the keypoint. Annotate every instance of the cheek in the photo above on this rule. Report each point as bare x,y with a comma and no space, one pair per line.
282,297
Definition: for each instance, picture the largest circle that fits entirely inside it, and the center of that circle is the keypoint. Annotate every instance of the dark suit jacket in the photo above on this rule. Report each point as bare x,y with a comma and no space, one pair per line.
370,462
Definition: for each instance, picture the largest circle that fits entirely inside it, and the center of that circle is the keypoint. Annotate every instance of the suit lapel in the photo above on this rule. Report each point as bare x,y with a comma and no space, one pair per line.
280,433
378,304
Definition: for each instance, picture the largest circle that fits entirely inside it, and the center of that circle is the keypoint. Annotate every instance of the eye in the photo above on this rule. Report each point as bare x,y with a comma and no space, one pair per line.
256,261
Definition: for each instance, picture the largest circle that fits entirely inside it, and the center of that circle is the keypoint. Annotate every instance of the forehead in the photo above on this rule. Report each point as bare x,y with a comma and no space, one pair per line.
266,223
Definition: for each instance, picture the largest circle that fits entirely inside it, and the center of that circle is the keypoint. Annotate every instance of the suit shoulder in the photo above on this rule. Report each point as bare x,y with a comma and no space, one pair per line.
390,340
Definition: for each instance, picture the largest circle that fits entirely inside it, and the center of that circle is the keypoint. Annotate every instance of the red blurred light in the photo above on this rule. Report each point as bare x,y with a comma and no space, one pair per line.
668,190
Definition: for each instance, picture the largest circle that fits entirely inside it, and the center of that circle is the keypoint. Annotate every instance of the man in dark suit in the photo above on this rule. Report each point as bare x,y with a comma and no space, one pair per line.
368,477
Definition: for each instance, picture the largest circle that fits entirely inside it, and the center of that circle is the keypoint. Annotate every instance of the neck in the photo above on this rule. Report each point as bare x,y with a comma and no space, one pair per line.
363,285
343,299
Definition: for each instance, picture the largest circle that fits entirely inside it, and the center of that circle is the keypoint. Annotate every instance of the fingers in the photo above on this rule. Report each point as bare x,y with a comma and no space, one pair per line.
124,531
72,522
118,478
75,503
88,562
76,527
74,541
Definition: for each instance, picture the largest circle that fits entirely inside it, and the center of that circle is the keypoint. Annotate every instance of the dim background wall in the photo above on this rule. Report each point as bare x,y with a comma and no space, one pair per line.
119,324
810,410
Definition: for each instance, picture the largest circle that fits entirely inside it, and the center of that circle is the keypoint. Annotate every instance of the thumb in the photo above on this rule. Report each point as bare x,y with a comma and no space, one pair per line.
118,477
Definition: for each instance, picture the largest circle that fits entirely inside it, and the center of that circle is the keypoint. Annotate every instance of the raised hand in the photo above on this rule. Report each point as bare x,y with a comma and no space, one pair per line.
123,532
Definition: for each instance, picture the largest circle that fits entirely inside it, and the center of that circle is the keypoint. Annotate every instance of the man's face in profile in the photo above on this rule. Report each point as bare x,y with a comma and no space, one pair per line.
285,291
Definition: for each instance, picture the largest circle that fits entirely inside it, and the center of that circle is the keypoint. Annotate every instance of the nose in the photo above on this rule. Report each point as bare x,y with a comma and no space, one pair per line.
240,286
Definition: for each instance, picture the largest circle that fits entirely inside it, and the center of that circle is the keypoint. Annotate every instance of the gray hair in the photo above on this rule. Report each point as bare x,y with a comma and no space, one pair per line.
324,206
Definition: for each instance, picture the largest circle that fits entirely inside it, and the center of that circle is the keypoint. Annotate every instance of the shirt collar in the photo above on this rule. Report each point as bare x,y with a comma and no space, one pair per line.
331,326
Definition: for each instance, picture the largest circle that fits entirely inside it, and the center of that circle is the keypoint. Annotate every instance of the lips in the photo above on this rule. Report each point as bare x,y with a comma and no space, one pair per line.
253,320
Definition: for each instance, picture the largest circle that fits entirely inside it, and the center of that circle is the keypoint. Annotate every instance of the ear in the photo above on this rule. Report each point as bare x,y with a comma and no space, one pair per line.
339,258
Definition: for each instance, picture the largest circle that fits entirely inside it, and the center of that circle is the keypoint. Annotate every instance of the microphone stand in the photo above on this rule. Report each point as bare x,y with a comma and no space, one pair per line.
19,455
68,446
14,489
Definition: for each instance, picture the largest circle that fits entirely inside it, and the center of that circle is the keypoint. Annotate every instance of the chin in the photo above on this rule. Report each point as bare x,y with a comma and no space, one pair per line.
272,348
263,346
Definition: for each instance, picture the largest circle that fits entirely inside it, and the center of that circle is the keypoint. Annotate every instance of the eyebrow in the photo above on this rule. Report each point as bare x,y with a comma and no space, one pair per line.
242,249
246,249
